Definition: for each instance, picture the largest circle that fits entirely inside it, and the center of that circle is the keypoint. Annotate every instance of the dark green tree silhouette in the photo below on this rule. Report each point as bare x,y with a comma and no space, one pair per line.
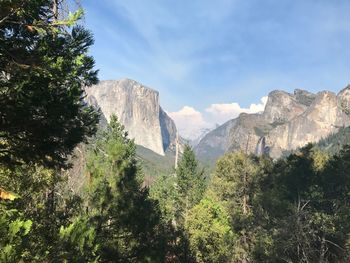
307,200
237,185
190,184
121,220
43,68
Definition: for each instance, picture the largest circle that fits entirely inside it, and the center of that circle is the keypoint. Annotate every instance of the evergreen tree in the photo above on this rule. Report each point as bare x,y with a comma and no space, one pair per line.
163,190
190,184
30,223
237,184
43,68
123,220
307,201
209,231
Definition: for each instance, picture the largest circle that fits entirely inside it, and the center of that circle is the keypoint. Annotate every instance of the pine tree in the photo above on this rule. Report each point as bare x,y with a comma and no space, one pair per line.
307,201
190,184
124,221
209,231
43,68
236,183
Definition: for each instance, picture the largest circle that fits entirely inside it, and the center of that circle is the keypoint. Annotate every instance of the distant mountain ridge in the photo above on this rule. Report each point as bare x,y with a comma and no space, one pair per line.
289,121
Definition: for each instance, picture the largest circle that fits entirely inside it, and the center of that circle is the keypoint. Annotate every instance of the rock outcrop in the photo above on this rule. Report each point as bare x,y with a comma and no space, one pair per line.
322,118
137,108
289,121
168,131
215,142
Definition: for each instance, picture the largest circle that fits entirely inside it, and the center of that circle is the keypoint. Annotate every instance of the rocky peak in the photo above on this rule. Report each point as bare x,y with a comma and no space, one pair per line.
320,119
137,108
323,107
344,99
289,121
282,106
304,97
345,91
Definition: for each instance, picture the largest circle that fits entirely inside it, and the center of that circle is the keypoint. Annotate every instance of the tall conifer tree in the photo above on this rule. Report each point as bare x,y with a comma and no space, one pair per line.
44,66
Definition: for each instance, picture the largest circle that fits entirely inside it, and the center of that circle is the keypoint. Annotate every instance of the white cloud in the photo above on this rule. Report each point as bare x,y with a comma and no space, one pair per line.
223,112
191,122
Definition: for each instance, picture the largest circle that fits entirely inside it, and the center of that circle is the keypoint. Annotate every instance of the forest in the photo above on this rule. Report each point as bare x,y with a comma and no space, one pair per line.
248,209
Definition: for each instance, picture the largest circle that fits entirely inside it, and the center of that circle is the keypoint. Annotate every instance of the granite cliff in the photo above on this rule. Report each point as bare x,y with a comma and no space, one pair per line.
289,121
137,108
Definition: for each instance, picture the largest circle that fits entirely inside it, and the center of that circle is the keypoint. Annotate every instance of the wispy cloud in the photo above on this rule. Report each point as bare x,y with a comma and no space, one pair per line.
151,20
201,51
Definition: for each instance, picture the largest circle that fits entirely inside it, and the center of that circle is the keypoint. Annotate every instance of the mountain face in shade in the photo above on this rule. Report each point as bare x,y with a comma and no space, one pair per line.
137,108
289,121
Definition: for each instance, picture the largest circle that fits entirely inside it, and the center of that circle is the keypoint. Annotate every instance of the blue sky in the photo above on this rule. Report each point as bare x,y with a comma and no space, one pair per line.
198,53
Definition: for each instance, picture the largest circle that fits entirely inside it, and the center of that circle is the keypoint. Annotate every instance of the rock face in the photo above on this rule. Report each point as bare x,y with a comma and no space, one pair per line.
137,108
168,130
216,142
289,121
203,132
320,119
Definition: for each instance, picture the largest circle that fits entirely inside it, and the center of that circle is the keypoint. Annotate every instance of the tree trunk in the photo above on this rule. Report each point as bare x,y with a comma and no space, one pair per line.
55,9
245,212
322,249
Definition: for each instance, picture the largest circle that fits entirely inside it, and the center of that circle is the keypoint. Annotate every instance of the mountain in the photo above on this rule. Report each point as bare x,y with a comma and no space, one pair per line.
289,121
215,143
335,142
202,132
137,108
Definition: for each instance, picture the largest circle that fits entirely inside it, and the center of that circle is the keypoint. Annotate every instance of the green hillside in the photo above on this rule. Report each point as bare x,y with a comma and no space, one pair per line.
154,164
334,142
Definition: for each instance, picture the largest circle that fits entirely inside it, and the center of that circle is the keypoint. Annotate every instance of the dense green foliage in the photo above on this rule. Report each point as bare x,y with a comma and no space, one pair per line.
177,195
335,142
190,184
124,220
29,224
43,68
237,185
113,220
309,193
293,210
209,232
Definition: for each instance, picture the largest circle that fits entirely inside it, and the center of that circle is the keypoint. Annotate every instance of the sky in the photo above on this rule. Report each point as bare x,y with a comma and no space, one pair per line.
211,60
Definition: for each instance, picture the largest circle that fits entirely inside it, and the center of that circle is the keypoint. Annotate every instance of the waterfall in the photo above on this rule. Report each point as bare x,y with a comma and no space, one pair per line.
261,148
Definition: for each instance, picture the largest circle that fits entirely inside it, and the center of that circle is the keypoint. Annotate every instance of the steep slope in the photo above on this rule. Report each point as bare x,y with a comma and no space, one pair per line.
335,142
168,131
202,133
321,118
289,121
137,108
214,143
154,165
